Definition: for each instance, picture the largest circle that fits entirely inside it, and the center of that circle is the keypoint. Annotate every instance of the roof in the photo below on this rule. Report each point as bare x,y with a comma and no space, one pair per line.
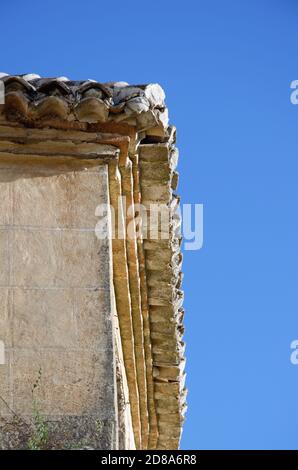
34,98
133,118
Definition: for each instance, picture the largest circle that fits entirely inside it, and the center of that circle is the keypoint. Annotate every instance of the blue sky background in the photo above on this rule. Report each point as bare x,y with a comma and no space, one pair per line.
226,67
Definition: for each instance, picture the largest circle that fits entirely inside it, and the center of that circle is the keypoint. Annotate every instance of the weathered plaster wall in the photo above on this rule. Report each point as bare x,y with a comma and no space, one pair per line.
55,294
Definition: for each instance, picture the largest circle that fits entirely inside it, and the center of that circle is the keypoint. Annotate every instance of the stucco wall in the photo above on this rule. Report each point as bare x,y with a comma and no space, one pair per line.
55,296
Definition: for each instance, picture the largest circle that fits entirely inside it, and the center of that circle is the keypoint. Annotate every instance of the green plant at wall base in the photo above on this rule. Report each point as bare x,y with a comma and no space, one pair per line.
40,436
37,382
98,427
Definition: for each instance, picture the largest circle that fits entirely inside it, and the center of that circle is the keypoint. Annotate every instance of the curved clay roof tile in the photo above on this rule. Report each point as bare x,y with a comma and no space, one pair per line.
51,85
19,80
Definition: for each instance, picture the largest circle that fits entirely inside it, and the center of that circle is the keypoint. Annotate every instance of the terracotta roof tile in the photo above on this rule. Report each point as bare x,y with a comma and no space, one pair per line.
143,103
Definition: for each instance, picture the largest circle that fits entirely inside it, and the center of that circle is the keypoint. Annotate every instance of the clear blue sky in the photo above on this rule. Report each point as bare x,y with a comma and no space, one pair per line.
226,67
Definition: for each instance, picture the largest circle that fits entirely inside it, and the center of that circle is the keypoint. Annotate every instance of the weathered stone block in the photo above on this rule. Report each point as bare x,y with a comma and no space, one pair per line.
54,258
6,317
65,200
6,396
92,316
43,318
5,206
72,382
4,257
